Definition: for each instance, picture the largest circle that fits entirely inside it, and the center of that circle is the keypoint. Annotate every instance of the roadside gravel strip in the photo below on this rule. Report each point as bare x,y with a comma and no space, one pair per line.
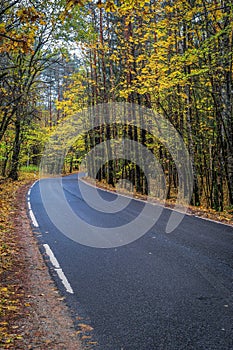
45,322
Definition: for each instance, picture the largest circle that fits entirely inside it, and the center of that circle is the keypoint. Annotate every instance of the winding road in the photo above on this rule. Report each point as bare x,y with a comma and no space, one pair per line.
168,291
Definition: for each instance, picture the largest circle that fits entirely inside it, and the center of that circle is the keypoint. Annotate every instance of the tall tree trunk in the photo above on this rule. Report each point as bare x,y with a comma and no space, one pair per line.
187,69
226,93
16,150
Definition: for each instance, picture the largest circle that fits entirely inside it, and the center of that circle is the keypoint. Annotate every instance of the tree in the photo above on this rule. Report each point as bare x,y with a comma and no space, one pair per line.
28,48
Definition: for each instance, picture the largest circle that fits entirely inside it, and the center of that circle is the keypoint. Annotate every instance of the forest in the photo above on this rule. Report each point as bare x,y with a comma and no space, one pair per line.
173,57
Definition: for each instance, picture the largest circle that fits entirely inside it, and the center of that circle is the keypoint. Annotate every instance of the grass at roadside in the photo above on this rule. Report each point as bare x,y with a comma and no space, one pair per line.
10,293
29,169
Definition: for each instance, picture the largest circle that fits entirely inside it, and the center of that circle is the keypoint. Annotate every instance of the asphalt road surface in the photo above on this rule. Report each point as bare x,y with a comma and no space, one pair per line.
163,291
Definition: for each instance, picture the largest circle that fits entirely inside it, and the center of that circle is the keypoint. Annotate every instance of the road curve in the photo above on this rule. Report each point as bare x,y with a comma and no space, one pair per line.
163,291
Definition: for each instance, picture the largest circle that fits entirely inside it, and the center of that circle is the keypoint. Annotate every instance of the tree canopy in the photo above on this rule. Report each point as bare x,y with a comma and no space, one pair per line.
174,57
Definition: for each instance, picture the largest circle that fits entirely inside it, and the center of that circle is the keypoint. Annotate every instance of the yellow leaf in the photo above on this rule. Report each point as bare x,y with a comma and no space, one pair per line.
85,327
19,337
110,6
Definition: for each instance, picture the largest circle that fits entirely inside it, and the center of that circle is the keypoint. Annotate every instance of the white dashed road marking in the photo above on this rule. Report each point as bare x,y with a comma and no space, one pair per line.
31,214
34,221
58,269
52,258
49,252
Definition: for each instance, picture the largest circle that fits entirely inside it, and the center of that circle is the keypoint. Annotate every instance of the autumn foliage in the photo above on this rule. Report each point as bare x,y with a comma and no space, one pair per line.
174,57
10,292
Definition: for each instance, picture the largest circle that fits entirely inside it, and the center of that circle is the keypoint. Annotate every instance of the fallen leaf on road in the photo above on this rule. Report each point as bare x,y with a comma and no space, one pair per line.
85,327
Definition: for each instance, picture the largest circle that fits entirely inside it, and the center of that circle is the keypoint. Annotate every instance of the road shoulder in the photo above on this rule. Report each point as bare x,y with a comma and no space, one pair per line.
45,322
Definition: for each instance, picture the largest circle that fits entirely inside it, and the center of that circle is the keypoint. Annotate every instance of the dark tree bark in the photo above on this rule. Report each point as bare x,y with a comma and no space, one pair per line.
16,150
